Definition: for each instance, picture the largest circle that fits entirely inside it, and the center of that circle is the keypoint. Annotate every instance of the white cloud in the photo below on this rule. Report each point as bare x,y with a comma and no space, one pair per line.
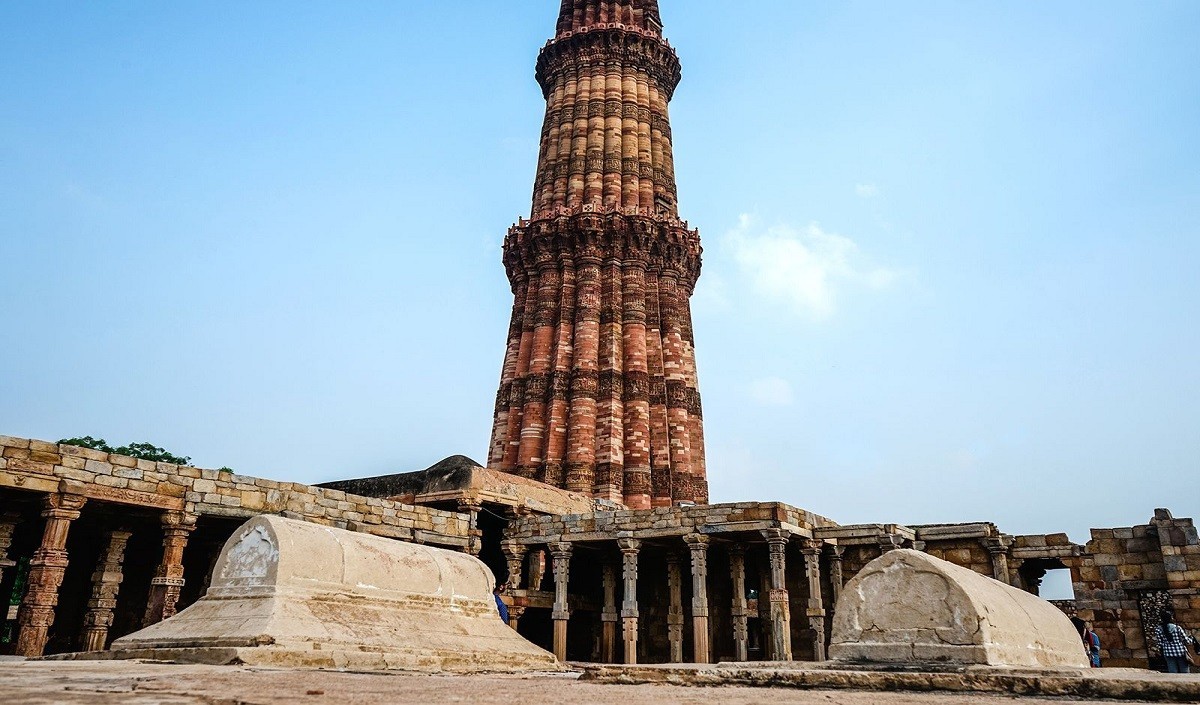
866,190
802,267
712,294
771,391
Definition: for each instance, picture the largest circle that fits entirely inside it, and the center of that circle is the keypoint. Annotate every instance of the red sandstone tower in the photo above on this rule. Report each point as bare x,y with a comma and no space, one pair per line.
598,393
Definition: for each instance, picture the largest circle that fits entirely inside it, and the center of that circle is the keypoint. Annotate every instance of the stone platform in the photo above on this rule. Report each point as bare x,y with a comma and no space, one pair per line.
1103,683
143,683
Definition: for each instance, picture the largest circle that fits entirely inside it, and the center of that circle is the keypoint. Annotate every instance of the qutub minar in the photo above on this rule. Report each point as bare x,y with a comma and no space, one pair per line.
598,393
593,509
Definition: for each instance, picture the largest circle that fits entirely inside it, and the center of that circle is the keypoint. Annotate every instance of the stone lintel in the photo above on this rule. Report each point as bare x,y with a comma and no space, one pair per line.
424,536
137,498
26,481
237,512
863,534
400,533
669,532
1029,552
946,532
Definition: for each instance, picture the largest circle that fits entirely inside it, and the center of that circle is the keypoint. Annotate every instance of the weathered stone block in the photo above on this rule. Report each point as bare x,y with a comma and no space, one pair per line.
72,474
30,466
907,606
294,593
73,462
81,452
142,486
171,489
12,442
123,461
1174,564
42,456
99,467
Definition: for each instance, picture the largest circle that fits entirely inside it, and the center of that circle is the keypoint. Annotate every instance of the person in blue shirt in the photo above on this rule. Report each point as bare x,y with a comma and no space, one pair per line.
1091,642
500,606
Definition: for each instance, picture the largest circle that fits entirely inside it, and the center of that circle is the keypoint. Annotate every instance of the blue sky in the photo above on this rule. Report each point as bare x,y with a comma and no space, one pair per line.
951,248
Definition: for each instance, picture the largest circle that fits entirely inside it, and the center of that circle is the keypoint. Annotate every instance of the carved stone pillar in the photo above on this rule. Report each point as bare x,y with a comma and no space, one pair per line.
608,617
737,571
781,621
811,549
167,582
629,606
537,568
835,570
8,523
514,555
106,582
515,612
46,570
471,507
562,611
698,546
998,546
675,609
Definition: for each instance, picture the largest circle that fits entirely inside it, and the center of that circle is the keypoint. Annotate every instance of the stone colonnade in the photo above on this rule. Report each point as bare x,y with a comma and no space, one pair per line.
49,562
623,607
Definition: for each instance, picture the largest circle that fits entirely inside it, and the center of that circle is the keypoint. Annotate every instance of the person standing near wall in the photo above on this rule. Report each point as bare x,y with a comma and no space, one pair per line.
1175,644
500,606
1091,642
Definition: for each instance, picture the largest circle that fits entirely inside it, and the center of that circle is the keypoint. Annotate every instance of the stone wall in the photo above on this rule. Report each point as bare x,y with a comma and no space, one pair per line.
967,553
79,588
42,466
1127,576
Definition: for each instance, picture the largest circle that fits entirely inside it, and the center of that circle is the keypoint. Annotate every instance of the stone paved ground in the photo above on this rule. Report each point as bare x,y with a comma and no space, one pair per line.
106,682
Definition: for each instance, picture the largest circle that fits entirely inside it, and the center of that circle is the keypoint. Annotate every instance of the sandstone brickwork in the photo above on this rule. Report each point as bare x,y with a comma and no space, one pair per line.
44,467
598,390
1125,578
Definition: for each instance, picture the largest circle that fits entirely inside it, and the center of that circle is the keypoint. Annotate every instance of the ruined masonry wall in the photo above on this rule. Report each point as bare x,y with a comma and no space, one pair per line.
42,466
1128,575
968,553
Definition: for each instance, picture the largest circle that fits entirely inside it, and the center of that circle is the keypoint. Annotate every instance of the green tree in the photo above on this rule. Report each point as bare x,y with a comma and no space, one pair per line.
88,442
142,451
149,451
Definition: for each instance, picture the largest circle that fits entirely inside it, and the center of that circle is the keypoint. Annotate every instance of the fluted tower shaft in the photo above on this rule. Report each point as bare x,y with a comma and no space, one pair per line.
598,392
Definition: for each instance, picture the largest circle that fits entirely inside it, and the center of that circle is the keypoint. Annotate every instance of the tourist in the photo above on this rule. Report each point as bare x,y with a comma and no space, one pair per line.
500,606
1174,643
1091,642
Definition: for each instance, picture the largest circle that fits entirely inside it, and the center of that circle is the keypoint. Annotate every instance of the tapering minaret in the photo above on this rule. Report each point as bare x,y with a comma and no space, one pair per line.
598,393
